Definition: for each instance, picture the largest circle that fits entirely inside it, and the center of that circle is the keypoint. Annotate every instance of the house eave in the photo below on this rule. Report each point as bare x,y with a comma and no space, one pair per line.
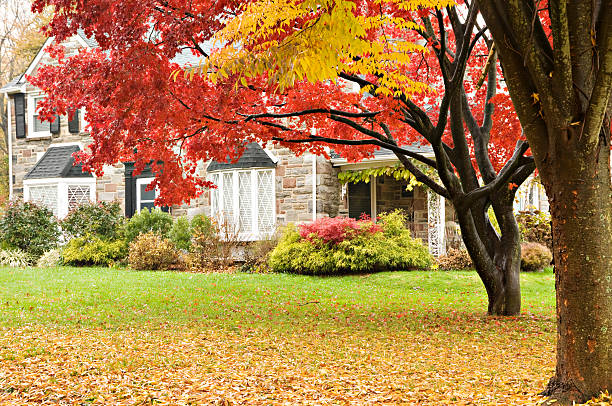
386,160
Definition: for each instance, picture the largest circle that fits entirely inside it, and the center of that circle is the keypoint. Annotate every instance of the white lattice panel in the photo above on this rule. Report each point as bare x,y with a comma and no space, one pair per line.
436,224
78,195
45,195
265,204
245,207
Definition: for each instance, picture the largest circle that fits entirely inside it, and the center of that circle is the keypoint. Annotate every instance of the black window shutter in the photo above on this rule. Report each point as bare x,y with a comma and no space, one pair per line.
73,124
20,124
55,125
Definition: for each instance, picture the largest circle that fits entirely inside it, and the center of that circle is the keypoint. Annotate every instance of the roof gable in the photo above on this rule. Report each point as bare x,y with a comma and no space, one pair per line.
254,156
58,162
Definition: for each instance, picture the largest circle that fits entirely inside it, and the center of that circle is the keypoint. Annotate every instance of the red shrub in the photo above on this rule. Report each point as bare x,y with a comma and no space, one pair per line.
336,229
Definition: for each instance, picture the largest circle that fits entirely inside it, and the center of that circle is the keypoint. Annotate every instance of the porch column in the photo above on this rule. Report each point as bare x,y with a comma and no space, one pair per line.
373,198
436,224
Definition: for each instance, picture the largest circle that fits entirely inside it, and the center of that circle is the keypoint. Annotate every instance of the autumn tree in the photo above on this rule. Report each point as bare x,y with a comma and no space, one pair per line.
365,74
557,60
20,40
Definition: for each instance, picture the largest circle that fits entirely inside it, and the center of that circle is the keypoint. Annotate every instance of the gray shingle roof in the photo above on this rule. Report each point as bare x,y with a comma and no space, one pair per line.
57,162
253,157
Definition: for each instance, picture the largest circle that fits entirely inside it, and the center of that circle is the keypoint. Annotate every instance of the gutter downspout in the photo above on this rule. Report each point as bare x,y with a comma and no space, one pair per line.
9,120
314,187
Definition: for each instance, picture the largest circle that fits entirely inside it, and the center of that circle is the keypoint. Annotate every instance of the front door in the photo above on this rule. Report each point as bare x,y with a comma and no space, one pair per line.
359,199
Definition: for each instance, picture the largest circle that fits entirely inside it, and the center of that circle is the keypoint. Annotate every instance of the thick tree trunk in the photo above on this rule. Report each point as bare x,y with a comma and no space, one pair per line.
581,207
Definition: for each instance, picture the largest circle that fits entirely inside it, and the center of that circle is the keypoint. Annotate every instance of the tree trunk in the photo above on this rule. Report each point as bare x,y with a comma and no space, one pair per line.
499,270
581,207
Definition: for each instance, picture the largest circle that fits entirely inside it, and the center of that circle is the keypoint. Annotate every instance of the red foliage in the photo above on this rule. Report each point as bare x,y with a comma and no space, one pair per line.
133,104
337,229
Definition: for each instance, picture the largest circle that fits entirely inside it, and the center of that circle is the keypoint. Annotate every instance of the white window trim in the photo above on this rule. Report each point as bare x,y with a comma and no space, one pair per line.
62,190
31,110
255,233
140,182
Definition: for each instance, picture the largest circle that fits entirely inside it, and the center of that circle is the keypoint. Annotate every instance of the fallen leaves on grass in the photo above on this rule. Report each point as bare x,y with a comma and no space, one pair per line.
179,365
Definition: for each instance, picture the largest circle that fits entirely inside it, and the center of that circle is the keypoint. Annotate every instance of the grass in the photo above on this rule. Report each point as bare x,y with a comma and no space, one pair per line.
111,336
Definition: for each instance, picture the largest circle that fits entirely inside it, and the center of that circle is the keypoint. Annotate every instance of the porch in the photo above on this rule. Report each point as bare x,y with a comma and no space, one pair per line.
429,216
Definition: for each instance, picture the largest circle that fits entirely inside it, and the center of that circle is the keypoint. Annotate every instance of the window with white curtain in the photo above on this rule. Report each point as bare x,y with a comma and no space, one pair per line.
246,200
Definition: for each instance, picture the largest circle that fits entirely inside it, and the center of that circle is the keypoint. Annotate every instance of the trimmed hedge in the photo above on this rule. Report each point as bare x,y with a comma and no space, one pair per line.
365,247
90,251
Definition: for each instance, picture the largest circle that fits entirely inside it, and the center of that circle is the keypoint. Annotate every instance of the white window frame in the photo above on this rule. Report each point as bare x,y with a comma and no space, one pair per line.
217,210
140,182
62,190
31,110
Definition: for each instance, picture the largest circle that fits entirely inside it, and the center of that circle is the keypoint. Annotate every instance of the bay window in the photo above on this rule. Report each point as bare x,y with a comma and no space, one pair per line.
245,200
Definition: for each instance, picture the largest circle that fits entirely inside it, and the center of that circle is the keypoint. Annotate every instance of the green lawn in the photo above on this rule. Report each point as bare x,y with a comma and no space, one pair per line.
388,338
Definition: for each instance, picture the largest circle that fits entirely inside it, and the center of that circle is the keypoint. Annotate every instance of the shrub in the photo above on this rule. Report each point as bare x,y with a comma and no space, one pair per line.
104,220
49,259
15,258
155,220
92,250
534,257
535,227
213,244
180,233
203,224
455,259
336,229
257,255
368,248
150,251
29,227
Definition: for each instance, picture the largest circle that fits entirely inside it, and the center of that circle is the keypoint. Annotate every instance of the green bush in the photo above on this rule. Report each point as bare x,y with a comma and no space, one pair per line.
15,258
180,233
534,257
390,249
92,250
455,260
104,220
202,224
29,227
152,252
535,227
146,221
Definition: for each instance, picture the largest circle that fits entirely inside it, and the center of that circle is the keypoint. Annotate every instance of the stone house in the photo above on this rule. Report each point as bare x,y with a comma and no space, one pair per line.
264,189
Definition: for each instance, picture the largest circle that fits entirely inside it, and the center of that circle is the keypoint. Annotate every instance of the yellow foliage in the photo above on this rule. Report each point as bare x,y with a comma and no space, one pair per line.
265,39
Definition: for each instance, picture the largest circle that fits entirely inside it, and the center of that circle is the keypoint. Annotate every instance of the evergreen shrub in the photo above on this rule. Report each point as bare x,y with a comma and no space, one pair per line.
155,221
29,227
338,245
92,250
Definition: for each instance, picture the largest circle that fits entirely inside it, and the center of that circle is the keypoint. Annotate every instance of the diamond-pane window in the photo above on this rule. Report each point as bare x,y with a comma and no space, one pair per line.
77,195
214,195
228,196
45,195
245,202
265,198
